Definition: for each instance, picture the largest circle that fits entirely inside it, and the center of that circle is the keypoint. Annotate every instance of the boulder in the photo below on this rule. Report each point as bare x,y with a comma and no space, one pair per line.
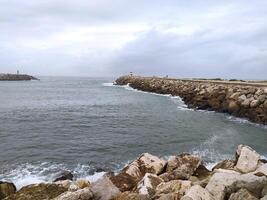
223,184
83,183
264,191
66,183
38,191
104,189
264,198
130,196
6,189
182,166
197,193
135,171
82,194
248,159
242,194
254,103
233,107
202,172
225,164
146,163
178,187
66,175
170,196
262,170
147,186
246,103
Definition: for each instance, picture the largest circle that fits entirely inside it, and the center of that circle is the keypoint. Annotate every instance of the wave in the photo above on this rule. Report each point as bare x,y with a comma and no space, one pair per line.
108,84
244,121
26,174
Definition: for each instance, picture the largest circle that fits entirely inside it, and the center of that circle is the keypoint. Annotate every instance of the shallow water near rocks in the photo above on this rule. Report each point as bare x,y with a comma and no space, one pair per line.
87,125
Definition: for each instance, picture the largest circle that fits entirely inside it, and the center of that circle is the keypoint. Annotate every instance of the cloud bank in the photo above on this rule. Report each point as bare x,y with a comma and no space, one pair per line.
108,38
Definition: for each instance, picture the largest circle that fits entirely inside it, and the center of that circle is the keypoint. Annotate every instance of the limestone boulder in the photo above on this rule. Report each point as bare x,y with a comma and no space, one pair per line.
254,103
197,193
6,189
242,194
178,187
262,170
38,191
264,191
130,196
104,189
247,159
182,166
223,184
233,107
264,198
225,164
170,196
66,183
135,171
147,186
82,194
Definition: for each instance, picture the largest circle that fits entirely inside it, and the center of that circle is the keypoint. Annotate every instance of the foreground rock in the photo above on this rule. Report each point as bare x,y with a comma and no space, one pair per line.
38,191
6,189
16,77
182,177
247,101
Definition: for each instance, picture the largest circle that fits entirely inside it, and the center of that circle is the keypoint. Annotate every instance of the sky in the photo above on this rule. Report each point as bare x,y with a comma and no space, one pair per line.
179,38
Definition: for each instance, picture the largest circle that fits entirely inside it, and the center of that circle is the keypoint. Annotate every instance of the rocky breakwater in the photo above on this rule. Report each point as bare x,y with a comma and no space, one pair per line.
181,177
244,100
16,77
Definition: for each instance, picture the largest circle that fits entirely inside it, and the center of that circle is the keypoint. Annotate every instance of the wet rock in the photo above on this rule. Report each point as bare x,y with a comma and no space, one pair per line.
182,166
130,196
64,176
248,159
197,193
104,189
6,189
177,187
147,186
202,172
242,194
38,191
82,194
225,164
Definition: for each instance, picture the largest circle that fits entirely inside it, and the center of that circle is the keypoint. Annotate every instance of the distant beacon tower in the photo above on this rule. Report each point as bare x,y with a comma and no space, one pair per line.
131,73
17,71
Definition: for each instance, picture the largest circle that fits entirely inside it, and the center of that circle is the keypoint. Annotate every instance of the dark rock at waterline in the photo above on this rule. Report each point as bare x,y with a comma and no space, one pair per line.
66,175
6,189
16,77
38,192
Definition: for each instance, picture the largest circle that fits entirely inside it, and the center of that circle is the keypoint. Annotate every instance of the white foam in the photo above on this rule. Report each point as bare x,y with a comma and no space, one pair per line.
96,176
108,84
244,121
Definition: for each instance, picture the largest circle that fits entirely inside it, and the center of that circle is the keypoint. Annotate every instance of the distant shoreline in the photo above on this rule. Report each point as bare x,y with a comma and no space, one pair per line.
16,77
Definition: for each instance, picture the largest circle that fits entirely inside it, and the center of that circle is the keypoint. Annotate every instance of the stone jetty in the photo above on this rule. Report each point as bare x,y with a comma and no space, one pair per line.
16,77
241,99
181,177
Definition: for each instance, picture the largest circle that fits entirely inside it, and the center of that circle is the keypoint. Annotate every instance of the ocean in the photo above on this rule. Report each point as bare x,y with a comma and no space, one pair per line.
89,126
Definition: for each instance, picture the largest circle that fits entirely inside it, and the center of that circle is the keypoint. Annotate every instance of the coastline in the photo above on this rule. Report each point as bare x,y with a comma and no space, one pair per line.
182,177
16,77
243,100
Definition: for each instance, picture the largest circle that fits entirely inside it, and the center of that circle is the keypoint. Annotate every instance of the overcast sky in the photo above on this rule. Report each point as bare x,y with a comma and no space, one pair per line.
181,38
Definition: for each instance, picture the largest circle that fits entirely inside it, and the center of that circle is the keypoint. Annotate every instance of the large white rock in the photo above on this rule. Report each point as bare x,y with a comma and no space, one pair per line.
197,193
148,184
146,163
104,189
82,194
221,184
248,159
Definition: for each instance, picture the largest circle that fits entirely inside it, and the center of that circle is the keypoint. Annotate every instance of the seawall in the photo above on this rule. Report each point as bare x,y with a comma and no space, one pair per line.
245,100
16,77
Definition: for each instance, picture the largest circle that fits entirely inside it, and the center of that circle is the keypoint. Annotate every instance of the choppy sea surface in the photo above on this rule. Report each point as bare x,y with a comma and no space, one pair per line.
88,125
